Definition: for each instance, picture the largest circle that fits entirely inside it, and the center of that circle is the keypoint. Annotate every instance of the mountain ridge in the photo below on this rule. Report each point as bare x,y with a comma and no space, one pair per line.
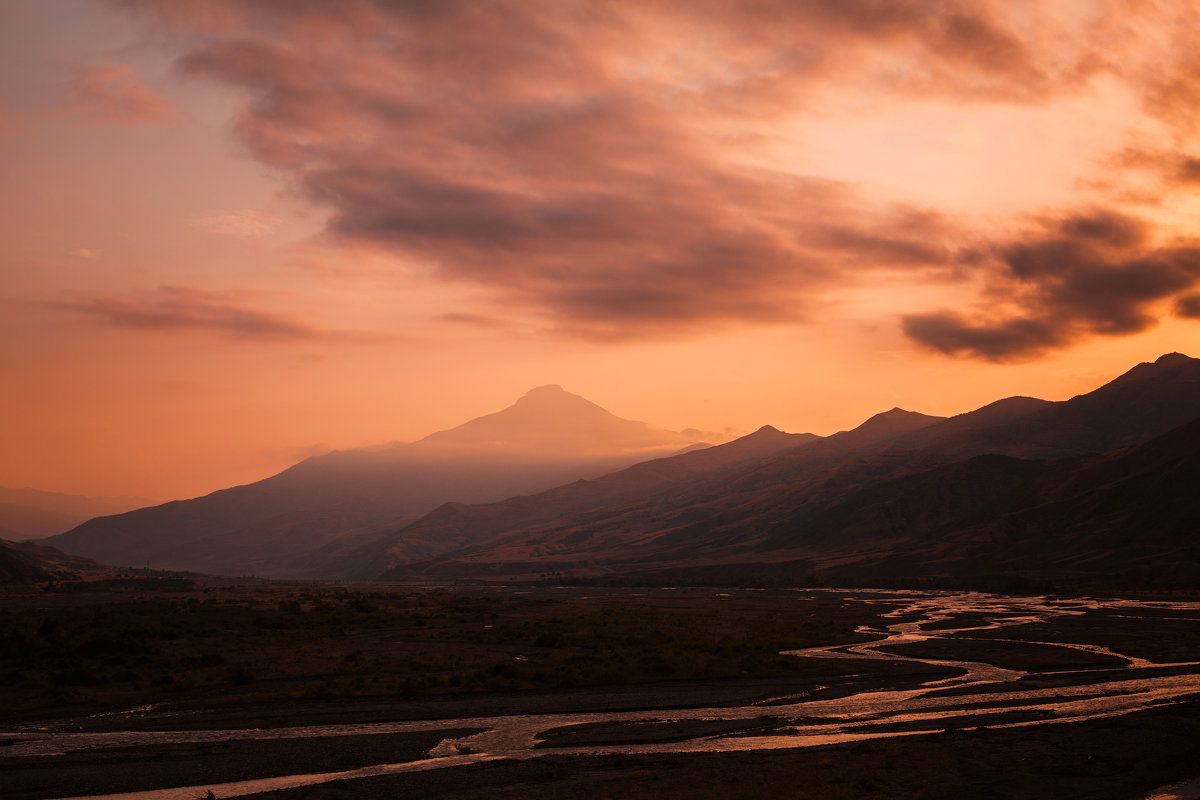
239,530
742,512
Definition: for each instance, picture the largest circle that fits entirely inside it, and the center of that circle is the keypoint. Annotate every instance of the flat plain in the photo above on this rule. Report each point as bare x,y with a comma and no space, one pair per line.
353,691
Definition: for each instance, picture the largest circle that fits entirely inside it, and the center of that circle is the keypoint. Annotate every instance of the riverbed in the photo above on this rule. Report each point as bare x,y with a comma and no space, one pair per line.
1013,681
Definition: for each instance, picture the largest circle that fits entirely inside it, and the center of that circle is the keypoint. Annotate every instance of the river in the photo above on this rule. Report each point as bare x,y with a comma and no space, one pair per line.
1107,683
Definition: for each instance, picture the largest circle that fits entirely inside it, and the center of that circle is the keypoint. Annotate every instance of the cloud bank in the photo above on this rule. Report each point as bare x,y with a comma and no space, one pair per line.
589,162
1087,274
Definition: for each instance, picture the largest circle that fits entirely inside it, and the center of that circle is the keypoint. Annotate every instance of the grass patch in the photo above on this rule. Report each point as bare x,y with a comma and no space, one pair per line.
277,642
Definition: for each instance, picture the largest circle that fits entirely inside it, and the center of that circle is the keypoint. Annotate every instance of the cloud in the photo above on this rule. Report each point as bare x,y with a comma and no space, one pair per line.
84,252
472,320
111,94
582,162
1188,306
1098,273
239,224
562,157
182,309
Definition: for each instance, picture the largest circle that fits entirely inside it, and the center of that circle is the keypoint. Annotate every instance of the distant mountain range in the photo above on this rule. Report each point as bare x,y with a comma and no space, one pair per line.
1095,490
28,562
33,514
278,526
1098,487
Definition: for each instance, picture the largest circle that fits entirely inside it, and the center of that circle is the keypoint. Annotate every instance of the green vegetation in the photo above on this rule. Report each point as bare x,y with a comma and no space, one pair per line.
272,642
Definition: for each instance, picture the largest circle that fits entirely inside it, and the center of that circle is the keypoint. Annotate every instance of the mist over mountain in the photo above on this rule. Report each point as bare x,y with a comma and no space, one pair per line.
901,496
549,421
548,437
33,514
555,486
457,524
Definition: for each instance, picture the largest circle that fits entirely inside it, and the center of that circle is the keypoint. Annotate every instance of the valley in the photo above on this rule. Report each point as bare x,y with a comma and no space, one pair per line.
580,691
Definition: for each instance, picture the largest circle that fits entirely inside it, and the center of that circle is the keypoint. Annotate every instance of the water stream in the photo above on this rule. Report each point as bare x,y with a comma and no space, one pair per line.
982,695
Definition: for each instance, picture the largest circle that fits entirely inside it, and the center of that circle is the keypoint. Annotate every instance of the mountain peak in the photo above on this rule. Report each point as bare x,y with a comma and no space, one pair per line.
896,413
550,398
1164,367
549,390
550,419
1171,359
896,421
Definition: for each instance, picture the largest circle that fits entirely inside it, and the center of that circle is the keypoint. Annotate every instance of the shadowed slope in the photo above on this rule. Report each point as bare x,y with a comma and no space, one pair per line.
456,525
270,526
766,510
635,500
1130,517
26,562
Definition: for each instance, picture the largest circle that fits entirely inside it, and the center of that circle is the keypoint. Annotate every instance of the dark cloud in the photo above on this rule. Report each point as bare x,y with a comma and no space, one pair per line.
183,309
571,157
954,334
1187,170
1188,306
1089,274
1173,169
580,160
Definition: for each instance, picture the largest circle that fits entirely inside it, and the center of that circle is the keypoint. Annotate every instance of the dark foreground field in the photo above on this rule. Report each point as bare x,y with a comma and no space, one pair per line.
64,653
207,675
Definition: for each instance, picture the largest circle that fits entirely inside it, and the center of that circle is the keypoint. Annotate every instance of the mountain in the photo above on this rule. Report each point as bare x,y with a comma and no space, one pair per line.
271,527
27,562
549,420
33,514
455,525
859,497
1127,517
644,500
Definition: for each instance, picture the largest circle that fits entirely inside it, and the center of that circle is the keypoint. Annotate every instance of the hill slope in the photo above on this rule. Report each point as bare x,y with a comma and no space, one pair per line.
27,562
813,504
272,526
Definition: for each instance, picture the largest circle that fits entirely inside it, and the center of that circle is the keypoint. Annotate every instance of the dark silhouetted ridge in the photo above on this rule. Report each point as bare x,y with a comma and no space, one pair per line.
1020,487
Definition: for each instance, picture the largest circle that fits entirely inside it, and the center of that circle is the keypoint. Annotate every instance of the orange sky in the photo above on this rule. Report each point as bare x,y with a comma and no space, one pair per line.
237,233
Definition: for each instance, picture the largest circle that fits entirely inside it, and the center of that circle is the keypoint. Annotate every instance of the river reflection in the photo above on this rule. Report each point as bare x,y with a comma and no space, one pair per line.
1107,683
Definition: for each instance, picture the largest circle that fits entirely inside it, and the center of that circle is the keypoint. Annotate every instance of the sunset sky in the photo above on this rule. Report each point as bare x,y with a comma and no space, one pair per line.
238,232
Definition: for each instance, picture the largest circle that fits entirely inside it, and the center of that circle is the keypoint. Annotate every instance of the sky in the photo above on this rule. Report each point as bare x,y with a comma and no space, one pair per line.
235,233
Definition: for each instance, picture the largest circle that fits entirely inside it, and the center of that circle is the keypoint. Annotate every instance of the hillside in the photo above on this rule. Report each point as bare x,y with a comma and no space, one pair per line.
833,502
27,563
272,527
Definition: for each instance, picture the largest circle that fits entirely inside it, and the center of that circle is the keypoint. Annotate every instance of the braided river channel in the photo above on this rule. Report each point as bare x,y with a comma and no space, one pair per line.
987,667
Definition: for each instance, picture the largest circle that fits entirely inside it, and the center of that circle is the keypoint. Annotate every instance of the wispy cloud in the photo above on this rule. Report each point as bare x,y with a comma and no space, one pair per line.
472,320
85,252
239,224
111,94
182,309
